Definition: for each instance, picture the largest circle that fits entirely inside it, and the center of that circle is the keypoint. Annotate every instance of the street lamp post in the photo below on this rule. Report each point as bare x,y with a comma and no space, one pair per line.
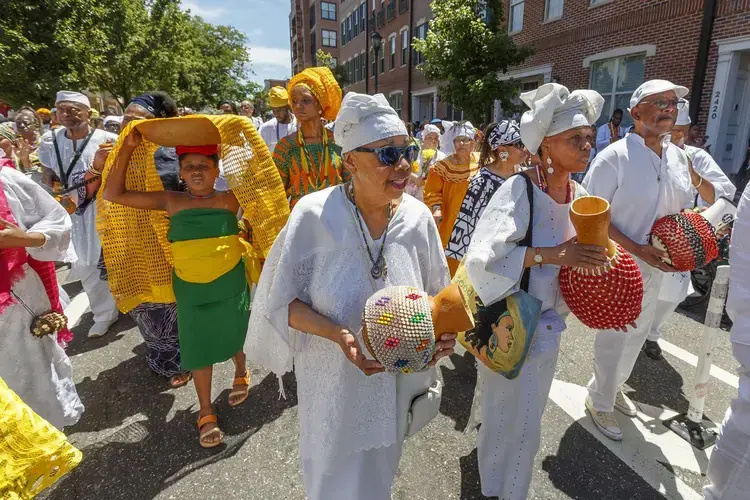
376,42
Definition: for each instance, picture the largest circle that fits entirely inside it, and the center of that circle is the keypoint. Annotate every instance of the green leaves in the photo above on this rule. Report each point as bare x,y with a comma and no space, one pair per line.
466,54
124,47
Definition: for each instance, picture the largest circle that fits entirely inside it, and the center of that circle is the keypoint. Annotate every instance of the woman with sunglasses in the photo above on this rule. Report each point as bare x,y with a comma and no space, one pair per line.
309,160
339,246
448,180
501,156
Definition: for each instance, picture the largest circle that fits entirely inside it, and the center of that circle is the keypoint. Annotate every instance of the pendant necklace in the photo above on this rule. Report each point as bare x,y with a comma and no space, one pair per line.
379,267
201,197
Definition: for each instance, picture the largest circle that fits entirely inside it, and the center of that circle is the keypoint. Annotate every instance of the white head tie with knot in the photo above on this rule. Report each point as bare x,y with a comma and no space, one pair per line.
364,119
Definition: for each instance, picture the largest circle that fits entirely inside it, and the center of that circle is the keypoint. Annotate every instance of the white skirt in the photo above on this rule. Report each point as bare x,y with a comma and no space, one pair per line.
37,369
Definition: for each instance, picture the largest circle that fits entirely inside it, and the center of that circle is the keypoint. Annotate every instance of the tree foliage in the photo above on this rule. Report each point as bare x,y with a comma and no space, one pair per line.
466,49
124,47
339,72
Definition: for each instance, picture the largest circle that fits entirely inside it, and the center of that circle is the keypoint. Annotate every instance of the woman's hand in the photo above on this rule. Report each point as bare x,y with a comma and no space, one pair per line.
100,158
24,148
437,214
444,347
133,140
12,236
624,329
353,352
574,254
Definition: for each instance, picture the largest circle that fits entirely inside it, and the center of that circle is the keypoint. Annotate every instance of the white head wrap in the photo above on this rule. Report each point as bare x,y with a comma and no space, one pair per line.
506,132
683,114
430,129
70,96
459,129
113,119
554,109
364,119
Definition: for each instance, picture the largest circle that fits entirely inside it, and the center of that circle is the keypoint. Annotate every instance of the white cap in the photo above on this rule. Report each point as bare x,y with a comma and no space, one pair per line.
652,87
113,119
364,119
430,129
683,114
70,96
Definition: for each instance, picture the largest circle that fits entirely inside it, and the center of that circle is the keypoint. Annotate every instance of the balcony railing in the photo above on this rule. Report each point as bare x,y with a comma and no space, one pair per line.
403,6
381,18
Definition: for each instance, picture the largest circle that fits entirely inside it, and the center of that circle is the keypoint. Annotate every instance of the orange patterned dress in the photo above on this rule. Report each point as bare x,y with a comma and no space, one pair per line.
297,182
446,186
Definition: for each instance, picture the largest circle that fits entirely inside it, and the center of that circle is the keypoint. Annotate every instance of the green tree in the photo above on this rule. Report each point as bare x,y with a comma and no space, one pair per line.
466,49
339,72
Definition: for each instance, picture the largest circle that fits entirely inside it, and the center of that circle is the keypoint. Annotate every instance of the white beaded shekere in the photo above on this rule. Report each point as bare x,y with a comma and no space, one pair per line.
397,328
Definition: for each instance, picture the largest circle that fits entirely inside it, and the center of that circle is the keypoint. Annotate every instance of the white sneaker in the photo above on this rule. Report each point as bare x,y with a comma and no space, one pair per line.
100,328
605,421
625,405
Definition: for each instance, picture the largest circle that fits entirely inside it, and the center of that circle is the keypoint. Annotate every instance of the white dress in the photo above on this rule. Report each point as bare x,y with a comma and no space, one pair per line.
512,409
349,444
38,370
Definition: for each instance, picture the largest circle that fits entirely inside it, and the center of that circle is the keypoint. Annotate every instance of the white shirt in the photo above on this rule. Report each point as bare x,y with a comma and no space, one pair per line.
738,301
625,174
85,238
603,137
272,131
705,166
257,121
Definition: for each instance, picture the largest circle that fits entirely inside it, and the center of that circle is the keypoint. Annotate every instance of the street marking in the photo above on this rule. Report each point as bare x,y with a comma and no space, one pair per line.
646,443
692,359
77,308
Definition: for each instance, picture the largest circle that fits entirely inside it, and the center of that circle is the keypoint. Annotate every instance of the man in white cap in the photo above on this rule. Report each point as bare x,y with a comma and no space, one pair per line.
247,108
729,468
283,122
676,286
644,177
70,154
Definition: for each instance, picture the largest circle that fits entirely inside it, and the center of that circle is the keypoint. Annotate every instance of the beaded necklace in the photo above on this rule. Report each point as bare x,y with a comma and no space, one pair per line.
379,267
545,187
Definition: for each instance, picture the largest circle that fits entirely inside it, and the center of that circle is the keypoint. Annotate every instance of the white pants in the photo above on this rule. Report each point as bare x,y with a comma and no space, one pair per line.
664,310
615,352
675,287
100,297
511,425
729,468
365,475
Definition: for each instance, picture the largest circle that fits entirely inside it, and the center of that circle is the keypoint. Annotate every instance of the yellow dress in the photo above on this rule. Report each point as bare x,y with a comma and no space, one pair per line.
446,186
33,453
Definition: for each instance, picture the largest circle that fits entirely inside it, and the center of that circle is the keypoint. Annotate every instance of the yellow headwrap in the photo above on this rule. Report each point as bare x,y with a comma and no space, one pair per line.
279,97
43,111
323,85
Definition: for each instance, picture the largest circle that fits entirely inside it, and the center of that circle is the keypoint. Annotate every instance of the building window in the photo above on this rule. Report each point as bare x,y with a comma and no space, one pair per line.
329,38
597,2
404,46
355,22
328,11
363,65
393,52
421,34
344,41
313,48
334,61
351,73
382,60
516,16
357,70
312,16
349,28
616,79
553,10
396,101
362,17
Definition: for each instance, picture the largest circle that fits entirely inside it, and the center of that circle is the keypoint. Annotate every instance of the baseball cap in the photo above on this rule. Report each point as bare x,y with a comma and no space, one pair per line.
652,87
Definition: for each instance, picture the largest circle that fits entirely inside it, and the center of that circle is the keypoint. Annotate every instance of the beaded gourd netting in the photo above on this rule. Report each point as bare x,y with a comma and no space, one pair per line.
33,453
610,297
136,250
688,238
397,329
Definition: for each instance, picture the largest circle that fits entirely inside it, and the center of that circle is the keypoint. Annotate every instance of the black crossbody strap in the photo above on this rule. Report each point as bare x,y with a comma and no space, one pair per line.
527,239
65,174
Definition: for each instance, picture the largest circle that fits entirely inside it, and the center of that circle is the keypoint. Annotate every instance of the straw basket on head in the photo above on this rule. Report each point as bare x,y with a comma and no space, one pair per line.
401,324
610,296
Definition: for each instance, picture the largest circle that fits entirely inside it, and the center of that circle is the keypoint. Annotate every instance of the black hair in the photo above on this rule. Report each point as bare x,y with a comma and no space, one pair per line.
233,104
214,157
37,118
618,110
164,102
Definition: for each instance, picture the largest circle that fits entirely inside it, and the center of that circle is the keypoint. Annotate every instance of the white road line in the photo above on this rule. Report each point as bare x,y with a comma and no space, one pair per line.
692,359
646,443
77,308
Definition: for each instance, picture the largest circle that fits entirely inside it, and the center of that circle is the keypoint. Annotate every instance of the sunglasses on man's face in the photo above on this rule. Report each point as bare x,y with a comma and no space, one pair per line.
391,155
663,104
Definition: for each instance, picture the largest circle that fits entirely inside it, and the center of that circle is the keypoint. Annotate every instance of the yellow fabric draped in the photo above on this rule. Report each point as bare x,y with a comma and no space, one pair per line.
33,453
137,254
204,260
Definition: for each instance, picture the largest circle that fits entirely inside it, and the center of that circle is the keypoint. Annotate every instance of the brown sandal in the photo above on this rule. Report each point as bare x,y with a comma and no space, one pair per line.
179,380
209,419
244,380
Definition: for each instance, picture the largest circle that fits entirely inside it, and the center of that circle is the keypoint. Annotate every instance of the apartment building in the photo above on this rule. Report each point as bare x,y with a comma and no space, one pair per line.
313,25
613,46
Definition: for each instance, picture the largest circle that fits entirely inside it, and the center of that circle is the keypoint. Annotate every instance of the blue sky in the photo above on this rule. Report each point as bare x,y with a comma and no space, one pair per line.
266,24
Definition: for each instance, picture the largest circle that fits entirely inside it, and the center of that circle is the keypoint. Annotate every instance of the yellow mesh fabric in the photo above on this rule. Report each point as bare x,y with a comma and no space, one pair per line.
136,250
33,453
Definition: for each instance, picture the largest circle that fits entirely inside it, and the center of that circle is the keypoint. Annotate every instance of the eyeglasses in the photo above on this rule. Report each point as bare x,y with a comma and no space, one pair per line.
663,104
463,140
68,110
391,155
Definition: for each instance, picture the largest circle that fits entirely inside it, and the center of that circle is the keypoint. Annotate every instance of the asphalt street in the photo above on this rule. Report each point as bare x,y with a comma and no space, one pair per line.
139,439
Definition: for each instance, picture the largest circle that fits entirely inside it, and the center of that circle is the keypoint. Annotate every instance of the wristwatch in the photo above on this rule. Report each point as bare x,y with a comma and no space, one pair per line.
538,259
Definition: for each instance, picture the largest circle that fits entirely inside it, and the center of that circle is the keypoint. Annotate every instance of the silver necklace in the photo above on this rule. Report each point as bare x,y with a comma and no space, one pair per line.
379,267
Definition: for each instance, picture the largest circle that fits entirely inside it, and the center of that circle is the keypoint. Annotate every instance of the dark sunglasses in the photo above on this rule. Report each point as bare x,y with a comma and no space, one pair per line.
391,155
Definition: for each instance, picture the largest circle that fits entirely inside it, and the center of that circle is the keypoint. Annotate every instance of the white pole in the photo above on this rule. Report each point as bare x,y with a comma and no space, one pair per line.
712,323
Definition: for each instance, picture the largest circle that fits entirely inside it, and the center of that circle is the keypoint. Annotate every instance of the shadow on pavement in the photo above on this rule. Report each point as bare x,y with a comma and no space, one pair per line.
146,456
471,488
81,343
657,383
458,392
585,469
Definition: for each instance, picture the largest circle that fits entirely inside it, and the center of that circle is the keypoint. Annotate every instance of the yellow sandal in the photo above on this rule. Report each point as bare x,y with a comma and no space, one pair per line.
209,419
244,380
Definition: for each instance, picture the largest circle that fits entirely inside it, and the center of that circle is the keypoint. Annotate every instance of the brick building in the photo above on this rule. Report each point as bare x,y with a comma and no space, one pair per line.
613,46
313,25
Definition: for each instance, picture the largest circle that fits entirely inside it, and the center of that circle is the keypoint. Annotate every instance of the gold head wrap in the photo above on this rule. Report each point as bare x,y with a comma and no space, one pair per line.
323,85
136,251
279,97
43,112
